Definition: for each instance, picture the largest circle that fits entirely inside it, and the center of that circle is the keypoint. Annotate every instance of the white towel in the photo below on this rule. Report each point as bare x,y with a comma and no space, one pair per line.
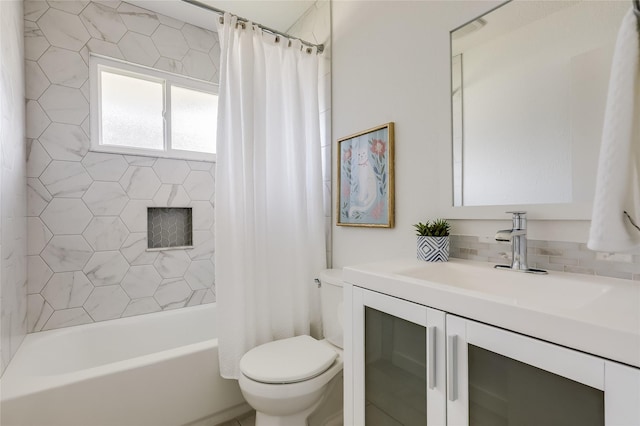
615,222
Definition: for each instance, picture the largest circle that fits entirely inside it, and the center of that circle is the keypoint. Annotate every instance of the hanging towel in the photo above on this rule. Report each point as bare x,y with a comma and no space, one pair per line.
615,222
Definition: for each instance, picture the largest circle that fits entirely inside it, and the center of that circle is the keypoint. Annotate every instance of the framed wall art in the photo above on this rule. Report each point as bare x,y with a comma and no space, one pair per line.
365,178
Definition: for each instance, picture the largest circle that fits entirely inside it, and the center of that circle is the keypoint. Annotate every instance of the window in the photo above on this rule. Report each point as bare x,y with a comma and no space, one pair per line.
144,111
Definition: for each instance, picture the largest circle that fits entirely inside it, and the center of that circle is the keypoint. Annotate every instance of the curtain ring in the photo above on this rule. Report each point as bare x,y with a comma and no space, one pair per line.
277,39
221,20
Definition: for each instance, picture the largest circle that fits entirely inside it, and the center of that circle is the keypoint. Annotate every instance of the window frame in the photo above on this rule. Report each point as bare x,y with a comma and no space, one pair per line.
98,63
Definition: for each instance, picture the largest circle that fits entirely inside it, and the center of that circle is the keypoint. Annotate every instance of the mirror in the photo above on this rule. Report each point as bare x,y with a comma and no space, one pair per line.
529,85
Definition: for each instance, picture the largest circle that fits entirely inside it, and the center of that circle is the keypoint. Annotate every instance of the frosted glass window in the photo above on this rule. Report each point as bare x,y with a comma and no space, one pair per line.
132,112
144,111
193,120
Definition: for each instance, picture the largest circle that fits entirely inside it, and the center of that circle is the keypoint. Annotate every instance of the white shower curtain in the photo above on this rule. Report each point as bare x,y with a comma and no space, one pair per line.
269,226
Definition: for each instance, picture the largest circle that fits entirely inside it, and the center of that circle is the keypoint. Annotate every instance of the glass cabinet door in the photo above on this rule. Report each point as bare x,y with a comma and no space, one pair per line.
506,392
396,367
395,370
500,378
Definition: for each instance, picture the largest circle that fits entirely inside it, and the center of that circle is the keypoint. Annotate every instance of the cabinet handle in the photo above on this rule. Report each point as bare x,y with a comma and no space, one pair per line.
452,371
431,357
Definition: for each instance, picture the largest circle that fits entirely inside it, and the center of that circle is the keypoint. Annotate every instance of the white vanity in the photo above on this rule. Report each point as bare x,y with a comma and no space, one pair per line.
460,343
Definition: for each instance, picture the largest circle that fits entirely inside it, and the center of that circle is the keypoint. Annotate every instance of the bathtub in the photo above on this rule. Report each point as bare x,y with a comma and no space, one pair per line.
148,370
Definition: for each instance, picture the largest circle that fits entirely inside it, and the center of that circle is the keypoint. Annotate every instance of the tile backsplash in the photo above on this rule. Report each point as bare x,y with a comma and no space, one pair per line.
550,255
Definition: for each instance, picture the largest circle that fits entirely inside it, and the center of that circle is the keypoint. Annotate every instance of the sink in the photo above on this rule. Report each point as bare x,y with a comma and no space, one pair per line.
597,315
555,290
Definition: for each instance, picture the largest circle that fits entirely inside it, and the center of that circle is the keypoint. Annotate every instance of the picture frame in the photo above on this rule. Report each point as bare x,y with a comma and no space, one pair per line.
366,193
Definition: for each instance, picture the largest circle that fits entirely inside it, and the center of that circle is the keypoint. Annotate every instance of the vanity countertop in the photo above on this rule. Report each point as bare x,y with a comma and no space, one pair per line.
597,315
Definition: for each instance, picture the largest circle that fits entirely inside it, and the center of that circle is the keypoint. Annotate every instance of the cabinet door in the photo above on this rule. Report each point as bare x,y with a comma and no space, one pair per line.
500,378
621,394
398,362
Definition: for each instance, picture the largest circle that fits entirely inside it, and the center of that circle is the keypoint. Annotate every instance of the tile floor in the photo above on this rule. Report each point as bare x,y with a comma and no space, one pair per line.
247,419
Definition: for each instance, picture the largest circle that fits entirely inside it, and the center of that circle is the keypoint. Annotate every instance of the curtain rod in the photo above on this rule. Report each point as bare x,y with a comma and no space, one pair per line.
201,5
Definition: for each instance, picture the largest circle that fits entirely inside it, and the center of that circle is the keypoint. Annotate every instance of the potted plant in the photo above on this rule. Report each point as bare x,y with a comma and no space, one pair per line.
433,240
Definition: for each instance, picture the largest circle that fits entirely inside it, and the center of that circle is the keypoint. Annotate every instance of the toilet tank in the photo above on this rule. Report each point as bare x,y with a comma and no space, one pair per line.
331,299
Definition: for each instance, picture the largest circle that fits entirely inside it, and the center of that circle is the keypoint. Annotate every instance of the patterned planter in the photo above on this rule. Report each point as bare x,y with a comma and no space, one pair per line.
433,249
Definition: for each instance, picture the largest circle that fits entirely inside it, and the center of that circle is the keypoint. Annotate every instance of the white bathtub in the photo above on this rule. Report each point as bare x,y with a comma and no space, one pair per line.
148,370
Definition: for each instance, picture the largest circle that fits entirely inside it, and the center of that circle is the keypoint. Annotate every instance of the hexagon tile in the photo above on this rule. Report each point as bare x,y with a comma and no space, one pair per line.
141,281
66,253
65,179
64,104
106,303
37,197
106,233
87,227
105,198
106,268
67,290
139,48
36,80
170,42
103,22
64,67
66,216
39,274
140,182
101,166
35,43
138,19
37,120
65,142
63,29
171,171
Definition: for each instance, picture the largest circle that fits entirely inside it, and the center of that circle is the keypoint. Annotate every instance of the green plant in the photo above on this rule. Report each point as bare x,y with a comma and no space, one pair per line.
434,228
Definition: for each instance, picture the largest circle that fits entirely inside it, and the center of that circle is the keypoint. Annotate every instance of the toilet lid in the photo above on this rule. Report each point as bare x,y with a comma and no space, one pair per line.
288,360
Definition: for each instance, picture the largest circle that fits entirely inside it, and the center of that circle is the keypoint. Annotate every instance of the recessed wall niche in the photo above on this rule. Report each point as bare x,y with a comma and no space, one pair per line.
169,227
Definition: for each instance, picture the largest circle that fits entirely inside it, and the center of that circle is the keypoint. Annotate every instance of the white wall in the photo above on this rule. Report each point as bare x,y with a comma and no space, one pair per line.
315,27
391,63
13,228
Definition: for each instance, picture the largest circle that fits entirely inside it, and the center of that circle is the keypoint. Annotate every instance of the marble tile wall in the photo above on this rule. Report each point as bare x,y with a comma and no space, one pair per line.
13,228
550,255
87,211
315,27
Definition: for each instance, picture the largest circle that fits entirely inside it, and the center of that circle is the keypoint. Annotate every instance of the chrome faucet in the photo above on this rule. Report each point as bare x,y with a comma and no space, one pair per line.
517,235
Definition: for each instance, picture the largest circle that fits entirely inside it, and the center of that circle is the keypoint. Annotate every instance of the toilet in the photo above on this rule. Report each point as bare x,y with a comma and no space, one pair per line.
286,380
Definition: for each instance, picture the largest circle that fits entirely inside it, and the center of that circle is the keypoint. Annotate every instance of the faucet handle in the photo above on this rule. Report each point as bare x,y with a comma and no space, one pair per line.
519,219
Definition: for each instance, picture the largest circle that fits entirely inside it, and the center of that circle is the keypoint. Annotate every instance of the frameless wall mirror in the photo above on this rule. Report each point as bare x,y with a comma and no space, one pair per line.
529,85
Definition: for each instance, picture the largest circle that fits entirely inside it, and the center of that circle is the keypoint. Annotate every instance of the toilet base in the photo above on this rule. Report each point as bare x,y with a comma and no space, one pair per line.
298,419
327,411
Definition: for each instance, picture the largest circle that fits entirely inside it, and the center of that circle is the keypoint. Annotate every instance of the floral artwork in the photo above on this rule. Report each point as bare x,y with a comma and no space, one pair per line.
365,178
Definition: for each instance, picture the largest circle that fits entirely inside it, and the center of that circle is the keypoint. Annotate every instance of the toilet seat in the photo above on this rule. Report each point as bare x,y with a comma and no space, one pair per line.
291,360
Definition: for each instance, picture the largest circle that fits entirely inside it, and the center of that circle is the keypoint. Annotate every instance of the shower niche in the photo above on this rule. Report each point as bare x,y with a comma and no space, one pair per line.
169,228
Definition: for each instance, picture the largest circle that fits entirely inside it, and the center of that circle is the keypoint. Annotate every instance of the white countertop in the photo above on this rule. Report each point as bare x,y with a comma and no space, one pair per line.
597,315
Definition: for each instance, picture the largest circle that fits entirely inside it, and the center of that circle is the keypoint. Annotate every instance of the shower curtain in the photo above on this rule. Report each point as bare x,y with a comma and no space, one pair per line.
269,224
